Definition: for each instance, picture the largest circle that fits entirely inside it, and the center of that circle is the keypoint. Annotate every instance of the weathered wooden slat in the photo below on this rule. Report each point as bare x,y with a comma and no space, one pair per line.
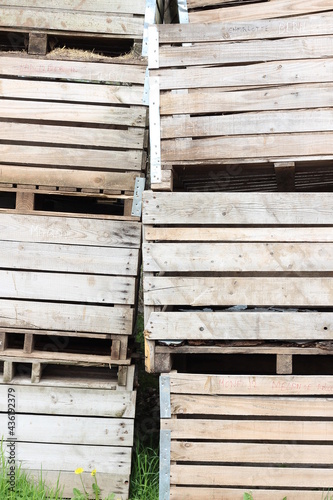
270,73
301,407
69,231
67,178
266,10
241,234
72,157
246,385
72,401
116,6
274,122
72,70
197,292
254,453
315,47
238,208
252,476
315,24
291,97
69,430
69,91
82,22
258,146
132,138
69,259
202,493
78,113
67,287
236,430
196,325
243,257
75,317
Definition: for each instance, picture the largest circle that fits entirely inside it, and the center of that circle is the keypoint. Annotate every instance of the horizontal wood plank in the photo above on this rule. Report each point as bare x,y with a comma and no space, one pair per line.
246,385
69,231
82,22
238,208
73,430
209,493
239,234
69,259
253,453
65,287
105,6
197,292
72,70
319,120
194,325
70,401
72,317
276,98
238,257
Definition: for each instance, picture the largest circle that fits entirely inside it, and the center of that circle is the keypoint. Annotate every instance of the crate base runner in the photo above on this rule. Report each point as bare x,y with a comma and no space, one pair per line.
222,436
59,429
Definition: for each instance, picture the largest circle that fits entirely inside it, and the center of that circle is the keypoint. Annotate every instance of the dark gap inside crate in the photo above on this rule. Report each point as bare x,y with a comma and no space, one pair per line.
7,200
55,343
15,341
109,47
13,42
78,204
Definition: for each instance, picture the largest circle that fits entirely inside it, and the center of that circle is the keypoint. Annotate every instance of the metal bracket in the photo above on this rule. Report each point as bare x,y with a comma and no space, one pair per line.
165,402
183,12
153,48
145,99
165,446
140,183
155,130
149,19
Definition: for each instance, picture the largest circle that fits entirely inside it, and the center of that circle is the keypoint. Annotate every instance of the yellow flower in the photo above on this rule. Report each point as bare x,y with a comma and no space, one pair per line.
93,472
79,470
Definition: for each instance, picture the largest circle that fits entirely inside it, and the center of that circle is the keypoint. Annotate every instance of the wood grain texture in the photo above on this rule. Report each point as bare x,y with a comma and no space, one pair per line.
202,493
116,6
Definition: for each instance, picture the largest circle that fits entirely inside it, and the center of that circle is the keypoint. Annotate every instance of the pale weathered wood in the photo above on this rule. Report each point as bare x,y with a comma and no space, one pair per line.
278,8
239,326
299,292
252,476
75,92
105,6
69,258
25,201
238,257
3,341
72,70
82,22
277,98
319,120
70,230
202,493
238,208
236,430
238,234
290,385
254,453
300,407
71,430
37,44
72,157
71,401
36,372
8,372
284,364
315,24
62,316
67,287
245,52
29,343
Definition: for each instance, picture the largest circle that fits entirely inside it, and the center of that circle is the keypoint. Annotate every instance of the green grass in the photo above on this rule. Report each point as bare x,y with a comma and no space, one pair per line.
145,469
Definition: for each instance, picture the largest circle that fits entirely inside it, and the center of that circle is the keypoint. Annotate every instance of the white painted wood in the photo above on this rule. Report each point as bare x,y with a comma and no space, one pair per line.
65,287
238,208
239,325
74,317
69,231
69,258
70,401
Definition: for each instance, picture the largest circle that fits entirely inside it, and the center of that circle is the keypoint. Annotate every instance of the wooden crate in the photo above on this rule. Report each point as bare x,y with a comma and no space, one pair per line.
224,435
61,428
240,99
68,288
72,127
212,11
205,253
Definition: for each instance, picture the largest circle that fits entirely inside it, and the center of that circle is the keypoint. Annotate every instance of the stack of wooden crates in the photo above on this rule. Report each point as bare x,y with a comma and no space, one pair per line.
72,163
237,250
